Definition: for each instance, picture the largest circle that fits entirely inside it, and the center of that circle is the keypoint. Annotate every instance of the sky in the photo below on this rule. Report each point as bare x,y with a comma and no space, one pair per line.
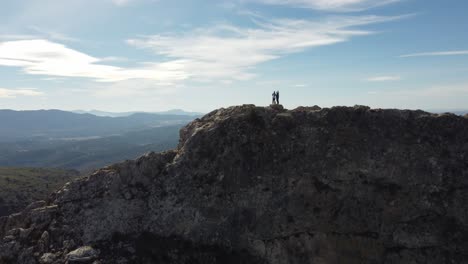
154,55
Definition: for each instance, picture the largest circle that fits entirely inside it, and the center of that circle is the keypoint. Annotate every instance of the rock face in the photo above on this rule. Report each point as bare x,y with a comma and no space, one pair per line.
266,185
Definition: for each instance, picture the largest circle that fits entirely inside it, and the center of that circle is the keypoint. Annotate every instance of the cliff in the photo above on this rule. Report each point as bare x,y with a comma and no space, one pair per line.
250,184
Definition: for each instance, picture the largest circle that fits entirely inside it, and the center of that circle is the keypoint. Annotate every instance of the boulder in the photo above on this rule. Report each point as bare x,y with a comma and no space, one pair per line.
84,254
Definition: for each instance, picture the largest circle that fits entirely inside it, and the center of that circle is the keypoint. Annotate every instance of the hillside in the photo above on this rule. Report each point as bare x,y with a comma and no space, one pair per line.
21,186
56,124
87,154
250,184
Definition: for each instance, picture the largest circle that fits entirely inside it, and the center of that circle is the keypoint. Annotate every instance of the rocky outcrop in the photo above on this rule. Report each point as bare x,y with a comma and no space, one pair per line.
250,184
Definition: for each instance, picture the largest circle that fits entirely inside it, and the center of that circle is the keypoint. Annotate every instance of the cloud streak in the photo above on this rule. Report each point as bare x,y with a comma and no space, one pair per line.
330,5
218,53
13,93
227,51
437,53
42,57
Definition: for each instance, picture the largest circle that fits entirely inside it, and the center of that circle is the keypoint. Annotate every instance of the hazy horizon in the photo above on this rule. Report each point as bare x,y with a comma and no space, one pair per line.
188,111
153,55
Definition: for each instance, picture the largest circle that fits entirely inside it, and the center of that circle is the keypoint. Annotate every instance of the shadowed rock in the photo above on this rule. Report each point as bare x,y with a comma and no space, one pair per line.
250,184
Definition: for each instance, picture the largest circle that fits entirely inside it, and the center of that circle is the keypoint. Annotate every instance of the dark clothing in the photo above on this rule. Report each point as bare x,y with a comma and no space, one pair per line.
277,97
274,98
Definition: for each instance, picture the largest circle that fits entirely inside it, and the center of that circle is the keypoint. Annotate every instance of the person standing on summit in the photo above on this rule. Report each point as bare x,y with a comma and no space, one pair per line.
273,95
277,97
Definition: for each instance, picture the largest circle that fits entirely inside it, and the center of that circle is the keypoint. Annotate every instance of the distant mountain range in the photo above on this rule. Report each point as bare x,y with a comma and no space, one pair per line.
60,139
122,114
57,124
454,111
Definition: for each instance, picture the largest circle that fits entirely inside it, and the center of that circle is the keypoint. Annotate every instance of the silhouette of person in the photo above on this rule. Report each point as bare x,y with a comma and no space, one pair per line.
274,97
277,97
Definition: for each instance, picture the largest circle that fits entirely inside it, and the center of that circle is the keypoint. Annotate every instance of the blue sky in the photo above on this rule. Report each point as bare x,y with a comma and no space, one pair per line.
152,55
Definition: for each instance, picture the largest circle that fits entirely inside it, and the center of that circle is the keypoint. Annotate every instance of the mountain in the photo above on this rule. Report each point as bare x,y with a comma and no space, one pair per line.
180,112
56,124
122,114
104,113
454,111
21,186
250,184
60,139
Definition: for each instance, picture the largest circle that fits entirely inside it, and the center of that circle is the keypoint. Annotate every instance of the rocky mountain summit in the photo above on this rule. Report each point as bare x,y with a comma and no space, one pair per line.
250,184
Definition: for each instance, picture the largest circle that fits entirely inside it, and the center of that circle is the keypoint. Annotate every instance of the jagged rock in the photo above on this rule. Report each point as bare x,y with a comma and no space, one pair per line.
84,254
24,233
43,243
307,108
8,238
68,244
251,184
47,258
35,205
277,107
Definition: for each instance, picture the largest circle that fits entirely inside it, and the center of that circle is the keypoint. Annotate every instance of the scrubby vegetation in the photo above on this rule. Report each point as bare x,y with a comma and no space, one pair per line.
21,186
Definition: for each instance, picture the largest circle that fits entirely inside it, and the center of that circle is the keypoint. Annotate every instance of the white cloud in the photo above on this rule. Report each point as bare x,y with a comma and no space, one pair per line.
114,59
330,5
384,78
227,51
43,57
437,53
218,53
12,93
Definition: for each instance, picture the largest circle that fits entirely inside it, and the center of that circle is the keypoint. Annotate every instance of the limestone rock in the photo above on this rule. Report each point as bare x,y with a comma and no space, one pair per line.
47,258
252,184
43,243
84,254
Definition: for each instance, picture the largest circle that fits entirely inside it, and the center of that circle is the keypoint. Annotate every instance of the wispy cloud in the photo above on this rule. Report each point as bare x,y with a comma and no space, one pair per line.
330,5
219,53
13,93
42,57
386,78
49,34
437,53
227,51
10,37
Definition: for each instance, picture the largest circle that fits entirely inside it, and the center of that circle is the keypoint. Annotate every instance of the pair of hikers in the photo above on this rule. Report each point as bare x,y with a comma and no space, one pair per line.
275,97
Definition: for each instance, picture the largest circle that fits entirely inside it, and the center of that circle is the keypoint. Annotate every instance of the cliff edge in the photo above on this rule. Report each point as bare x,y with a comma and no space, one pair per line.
250,184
